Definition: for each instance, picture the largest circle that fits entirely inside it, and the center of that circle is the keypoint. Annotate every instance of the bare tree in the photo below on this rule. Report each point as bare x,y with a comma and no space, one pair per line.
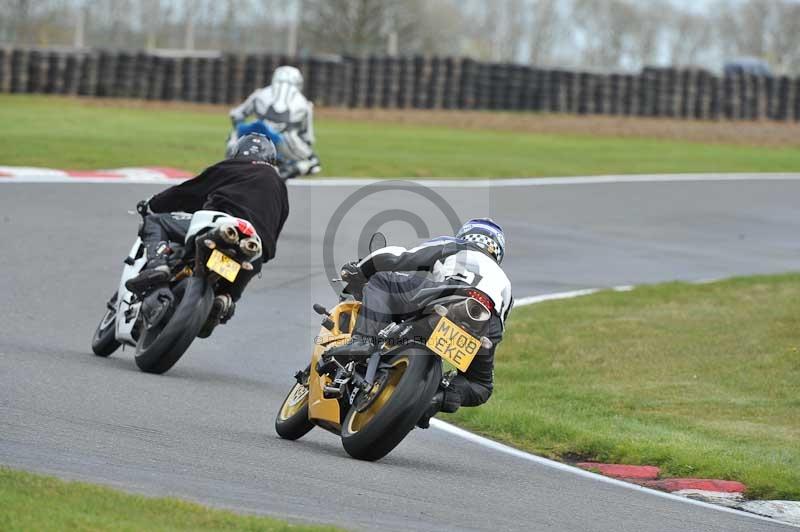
766,29
344,26
20,31
432,27
507,23
785,52
688,37
605,32
545,29
600,34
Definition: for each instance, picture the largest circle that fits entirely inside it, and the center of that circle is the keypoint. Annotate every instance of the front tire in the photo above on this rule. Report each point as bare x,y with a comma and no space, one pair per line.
404,397
292,421
160,347
104,341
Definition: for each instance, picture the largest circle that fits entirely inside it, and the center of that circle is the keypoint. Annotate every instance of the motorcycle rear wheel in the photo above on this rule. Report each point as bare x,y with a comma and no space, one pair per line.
292,421
160,347
104,341
402,400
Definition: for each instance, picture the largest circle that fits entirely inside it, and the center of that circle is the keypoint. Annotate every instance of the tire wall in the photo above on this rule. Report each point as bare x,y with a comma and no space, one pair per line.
401,82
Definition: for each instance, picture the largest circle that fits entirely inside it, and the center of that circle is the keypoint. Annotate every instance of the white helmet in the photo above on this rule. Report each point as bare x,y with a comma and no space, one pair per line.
288,74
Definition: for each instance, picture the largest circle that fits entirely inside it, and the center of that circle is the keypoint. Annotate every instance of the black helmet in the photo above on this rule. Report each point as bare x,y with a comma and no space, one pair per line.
255,147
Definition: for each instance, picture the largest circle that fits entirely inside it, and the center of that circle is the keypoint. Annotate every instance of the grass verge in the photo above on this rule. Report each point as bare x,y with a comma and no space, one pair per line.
702,380
74,133
36,502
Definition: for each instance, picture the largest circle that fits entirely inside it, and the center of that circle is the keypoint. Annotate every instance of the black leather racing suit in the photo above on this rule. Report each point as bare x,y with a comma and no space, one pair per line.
251,190
395,291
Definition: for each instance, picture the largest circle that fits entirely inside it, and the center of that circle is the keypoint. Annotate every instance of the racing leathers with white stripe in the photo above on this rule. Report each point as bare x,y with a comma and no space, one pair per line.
452,264
286,111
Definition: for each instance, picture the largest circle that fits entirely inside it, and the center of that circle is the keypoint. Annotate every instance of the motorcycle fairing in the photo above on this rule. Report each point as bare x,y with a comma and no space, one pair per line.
326,412
137,258
203,220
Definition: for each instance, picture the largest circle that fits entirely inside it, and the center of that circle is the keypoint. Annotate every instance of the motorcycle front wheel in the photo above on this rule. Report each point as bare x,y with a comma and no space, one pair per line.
292,420
161,346
104,341
375,425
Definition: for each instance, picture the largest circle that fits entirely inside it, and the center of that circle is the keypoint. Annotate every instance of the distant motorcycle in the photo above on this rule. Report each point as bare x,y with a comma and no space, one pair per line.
217,247
374,402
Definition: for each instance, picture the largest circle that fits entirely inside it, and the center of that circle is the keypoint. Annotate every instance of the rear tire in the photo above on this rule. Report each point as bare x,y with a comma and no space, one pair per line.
161,347
371,435
104,341
292,421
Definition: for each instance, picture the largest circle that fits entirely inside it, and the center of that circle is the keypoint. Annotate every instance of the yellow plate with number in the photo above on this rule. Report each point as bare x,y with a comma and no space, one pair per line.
453,344
223,265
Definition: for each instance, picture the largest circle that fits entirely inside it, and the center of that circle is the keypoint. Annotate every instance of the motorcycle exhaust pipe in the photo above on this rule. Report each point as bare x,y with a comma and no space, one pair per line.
250,246
228,233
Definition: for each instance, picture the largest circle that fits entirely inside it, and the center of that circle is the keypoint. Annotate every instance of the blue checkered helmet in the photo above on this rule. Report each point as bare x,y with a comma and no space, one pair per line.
486,234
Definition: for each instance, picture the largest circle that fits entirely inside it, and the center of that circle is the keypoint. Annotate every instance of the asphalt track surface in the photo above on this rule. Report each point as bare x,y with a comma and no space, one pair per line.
204,430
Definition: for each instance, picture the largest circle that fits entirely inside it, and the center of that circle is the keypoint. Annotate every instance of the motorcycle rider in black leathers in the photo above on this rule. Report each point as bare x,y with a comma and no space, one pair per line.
247,186
393,290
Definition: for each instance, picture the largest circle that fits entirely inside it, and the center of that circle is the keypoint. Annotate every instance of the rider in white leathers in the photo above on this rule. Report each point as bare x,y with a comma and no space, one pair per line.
284,110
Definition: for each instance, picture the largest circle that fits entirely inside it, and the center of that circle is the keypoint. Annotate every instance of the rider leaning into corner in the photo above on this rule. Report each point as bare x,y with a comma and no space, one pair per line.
247,186
393,290
286,116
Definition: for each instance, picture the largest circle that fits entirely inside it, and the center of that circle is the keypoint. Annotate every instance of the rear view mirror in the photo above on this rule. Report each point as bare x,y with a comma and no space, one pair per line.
377,241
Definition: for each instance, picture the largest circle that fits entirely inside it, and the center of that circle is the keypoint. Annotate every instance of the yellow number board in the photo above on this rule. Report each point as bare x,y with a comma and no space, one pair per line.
453,344
223,265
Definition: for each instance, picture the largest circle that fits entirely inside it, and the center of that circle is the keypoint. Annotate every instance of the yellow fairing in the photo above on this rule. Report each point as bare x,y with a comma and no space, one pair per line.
325,412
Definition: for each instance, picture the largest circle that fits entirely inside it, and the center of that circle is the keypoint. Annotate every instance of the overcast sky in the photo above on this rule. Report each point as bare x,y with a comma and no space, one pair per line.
699,5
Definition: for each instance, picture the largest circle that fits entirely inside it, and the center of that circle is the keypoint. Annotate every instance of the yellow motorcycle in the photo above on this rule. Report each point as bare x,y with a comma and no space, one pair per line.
374,402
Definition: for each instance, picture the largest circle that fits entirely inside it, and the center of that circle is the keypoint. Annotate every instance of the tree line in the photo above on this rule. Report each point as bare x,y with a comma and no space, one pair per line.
605,35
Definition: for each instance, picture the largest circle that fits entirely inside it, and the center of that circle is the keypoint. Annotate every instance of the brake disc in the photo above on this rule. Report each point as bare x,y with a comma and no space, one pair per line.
365,399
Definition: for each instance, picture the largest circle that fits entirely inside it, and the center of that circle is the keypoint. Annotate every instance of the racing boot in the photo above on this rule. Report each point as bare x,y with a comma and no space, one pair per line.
445,400
156,273
222,310
308,167
358,346
148,280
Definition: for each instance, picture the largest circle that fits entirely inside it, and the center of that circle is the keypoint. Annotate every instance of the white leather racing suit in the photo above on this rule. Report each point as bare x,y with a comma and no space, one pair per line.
452,264
286,111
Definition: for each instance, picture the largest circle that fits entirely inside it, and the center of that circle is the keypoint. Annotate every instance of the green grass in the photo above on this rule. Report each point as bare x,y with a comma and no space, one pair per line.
35,502
702,380
69,133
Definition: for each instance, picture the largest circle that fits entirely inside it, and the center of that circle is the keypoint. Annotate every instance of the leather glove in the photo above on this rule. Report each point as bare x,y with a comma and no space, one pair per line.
143,207
352,274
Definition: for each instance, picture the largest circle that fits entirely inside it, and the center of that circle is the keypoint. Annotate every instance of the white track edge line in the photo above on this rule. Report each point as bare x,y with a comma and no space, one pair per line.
500,447
444,182
507,449
457,182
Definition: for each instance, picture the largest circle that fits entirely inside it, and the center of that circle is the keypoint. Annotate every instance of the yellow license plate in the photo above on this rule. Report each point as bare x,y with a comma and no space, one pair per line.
453,344
223,265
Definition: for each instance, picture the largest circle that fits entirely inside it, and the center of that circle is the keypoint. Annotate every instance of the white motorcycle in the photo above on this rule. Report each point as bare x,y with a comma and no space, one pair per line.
288,166
216,249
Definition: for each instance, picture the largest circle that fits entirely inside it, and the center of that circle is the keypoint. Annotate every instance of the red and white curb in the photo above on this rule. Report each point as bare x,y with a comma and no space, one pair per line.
720,495
151,174
786,511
